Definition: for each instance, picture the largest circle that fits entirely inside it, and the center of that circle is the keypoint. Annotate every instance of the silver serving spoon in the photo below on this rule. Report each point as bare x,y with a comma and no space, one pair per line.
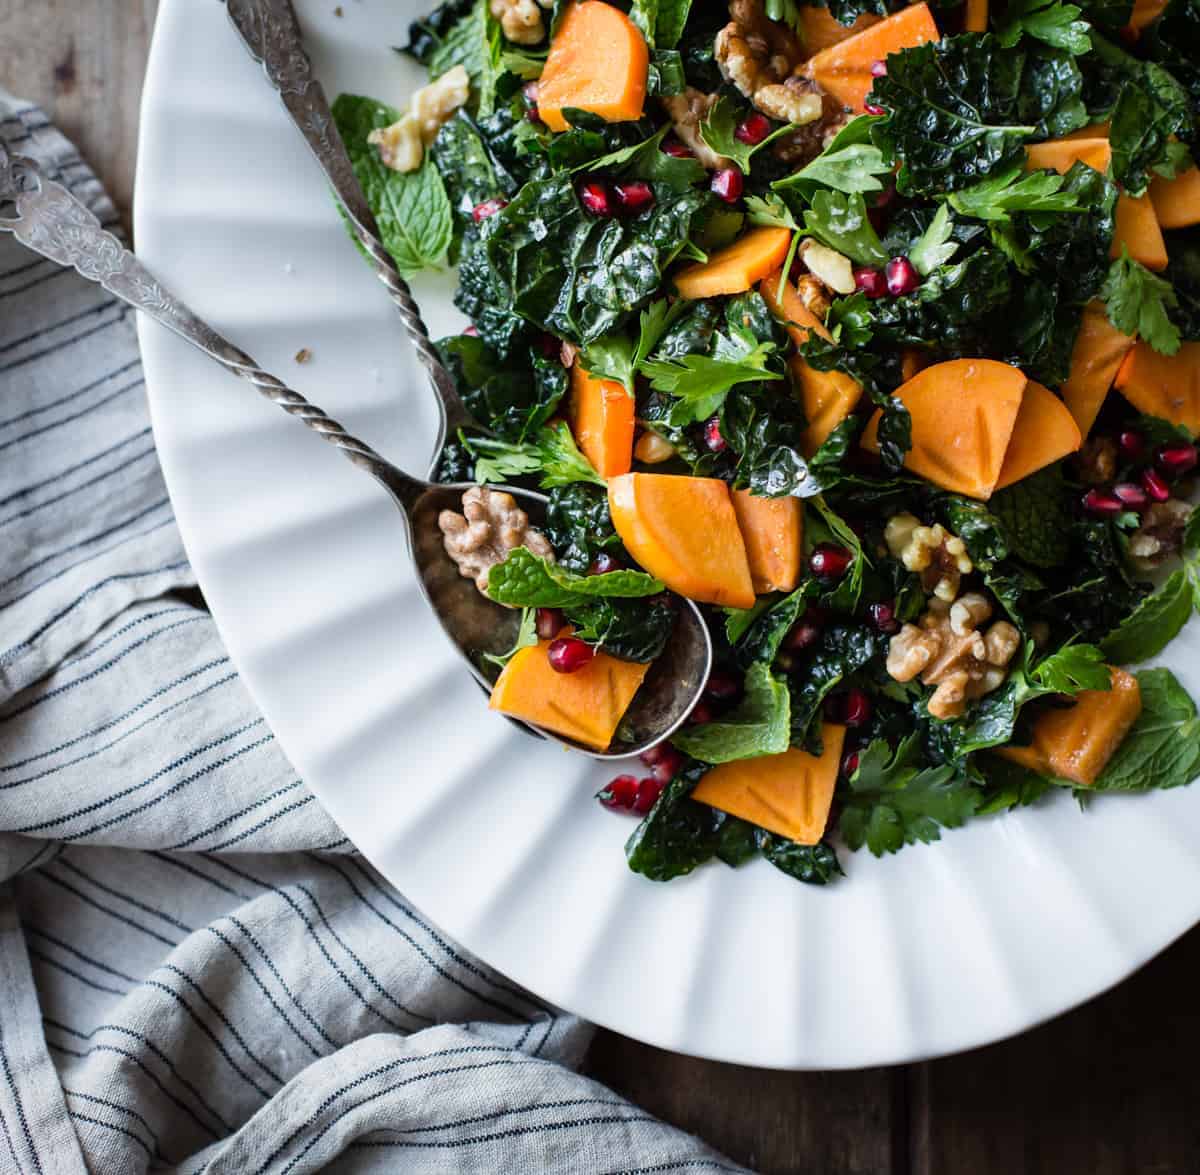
44,216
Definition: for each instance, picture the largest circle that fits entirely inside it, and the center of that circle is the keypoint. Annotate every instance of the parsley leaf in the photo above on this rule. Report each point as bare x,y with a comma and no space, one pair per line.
526,636
618,358
1137,302
851,163
526,580
1163,748
759,725
935,245
1015,190
1051,21
551,451
839,220
718,127
1071,670
889,802
1153,624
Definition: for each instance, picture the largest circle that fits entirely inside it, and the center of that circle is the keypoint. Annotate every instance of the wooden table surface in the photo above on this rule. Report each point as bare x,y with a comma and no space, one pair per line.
1112,1088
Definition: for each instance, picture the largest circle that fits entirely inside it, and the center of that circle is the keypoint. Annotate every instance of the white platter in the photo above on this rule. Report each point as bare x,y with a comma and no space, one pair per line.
1003,924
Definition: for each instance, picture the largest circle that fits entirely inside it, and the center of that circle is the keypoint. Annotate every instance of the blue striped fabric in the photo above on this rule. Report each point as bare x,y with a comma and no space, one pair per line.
197,972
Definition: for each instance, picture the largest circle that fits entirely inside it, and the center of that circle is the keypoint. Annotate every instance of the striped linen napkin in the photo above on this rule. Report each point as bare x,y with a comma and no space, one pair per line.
196,971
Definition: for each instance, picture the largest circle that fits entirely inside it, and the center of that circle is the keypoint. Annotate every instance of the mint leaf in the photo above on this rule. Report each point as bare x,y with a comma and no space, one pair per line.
718,127
839,220
1163,748
1015,190
758,726
525,580
889,802
552,452
1153,624
1137,302
934,246
1191,554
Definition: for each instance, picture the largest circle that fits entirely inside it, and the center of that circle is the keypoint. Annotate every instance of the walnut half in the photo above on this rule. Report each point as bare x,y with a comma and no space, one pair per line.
490,526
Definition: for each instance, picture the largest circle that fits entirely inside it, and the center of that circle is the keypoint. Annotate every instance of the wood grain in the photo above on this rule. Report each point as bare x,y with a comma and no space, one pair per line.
1110,1089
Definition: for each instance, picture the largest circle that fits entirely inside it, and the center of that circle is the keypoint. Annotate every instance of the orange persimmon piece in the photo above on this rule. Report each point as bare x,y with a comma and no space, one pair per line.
789,794
912,360
684,531
1145,12
773,531
1076,742
1099,350
963,412
601,413
598,62
828,396
1177,202
736,268
844,69
1060,154
1045,432
819,30
1163,385
976,18
585,705
1137,230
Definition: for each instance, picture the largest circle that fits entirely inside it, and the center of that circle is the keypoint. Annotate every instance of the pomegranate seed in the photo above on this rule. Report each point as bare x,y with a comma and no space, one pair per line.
802,634
1132,495
568,654
619,793
883,616
902,276
594,196
724,687
829,562
532,115
870,281
1132,445
727,184
1099,504
712,435
753,129
675,147
701,713
603,563
1176,460
634,195
879,69
549,623
871,108
472,331
652,755
855,708
666,763
1154,484
648,790
488,208
529,91
849,763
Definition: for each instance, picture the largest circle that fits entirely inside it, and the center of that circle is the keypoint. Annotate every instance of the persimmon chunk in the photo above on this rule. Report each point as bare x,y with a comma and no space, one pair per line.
1177,202
601,413
736,268
789,794
963,412
773,531
1062,154
1099,350
1163,385
1137,230
789,306
1045,432
1076,742
684,531
976,18
598,62
844,69
819,30
586,705
1145,12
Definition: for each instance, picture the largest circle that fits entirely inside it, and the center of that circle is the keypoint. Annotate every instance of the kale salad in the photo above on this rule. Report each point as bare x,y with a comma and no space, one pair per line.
874,329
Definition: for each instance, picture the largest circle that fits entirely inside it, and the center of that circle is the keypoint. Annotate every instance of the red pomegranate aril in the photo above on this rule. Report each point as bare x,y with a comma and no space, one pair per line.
883,616
676,148
529,91
472,331
802,635
619,793
1155,485
1176,460
603,563
872,108
879,69
829,561
727,184
1101,504
870,281
849,763
701,713
722,686
855,708
1132,496
651,755
488,208
634,195
594,196
1131,444
648,791
665,764
712,435
901,276
568,654
752,129
549,623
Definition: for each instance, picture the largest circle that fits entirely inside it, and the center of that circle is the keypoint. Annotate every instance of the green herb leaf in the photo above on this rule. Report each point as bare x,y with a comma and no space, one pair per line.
1051,21
718,127
757,726
1036,515
935,246
526,636
678,834
1138,302
851,163
619,358
526,580
1151,108
1071,670
1015,190
551,452
839,220
1153,624
474,42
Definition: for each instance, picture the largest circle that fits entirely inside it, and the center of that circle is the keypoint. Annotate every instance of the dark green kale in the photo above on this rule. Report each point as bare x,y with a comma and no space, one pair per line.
579,526
1151,108
632,629
765,432
427,33
470,171
842,650
1183,273
815,864
691,333
1174,42
456,463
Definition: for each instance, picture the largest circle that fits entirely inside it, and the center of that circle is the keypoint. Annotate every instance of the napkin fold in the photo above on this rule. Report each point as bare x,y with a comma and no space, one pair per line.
197,971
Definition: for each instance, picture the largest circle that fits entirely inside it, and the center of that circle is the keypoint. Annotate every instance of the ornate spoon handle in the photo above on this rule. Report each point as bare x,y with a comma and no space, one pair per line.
50,221
271,33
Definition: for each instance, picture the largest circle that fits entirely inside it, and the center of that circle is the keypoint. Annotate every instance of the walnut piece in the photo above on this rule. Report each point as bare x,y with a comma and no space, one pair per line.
520,20
938,555
402,145
1160,534
651,449
1097,460
814,295
831,268
687,111
490,526
947,650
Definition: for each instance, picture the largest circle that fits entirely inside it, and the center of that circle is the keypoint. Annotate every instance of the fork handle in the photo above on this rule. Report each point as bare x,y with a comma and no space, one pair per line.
52,222
271,33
